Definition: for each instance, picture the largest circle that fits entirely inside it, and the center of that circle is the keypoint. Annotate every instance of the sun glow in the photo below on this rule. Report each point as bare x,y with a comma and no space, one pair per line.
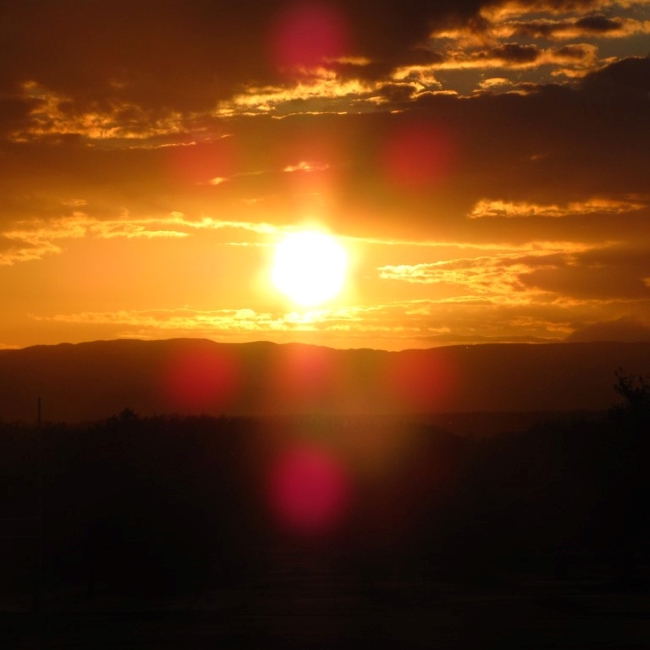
309,267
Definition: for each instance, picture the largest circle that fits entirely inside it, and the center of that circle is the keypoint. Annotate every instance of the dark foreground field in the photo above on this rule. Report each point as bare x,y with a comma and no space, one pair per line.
168,532
306,602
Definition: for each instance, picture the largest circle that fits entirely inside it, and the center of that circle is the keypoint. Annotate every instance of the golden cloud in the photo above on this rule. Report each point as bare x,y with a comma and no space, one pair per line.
517,209
597,26
34,239
492,277
304,166
519,57
499,278
321,84
54,114
512,8
411,323
229,321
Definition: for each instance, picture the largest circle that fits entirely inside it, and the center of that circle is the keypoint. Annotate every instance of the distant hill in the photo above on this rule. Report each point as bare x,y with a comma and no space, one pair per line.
90,381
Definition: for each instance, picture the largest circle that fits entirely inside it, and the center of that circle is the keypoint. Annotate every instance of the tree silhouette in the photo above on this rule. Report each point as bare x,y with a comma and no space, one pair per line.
636,392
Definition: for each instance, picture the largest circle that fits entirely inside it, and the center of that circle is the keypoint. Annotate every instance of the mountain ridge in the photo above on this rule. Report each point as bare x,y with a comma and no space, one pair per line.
95,379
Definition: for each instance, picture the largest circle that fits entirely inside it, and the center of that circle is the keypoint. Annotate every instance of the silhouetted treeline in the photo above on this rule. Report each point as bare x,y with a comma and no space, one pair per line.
172,504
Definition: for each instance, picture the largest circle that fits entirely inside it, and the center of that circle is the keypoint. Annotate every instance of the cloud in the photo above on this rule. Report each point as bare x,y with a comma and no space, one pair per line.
521,150
629,77
36,238
614,272
566,272
504,9
522,209
517,56
304,166
15,113
188,56
597,25
500,37
497,278
394,325
13,252
321,90
513,53
495,82
53,114
231,322
137,75
621,329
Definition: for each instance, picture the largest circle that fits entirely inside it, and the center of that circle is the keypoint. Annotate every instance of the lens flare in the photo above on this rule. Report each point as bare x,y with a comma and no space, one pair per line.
307,36
201,382
309,490
200,164
417,155
422,382
307,377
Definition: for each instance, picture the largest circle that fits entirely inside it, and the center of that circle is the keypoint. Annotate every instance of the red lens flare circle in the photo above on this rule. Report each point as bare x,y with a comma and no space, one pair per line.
309,490
307,36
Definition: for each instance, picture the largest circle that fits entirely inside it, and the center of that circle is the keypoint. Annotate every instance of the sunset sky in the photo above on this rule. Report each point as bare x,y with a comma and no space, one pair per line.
485,166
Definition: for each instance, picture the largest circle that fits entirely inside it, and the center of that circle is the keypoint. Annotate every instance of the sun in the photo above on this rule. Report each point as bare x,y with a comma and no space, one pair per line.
309,267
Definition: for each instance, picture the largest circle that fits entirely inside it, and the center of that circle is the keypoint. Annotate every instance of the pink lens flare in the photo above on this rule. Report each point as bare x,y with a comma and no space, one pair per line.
307,377
308,35
417,155
423,383
309,490
201,382
202,163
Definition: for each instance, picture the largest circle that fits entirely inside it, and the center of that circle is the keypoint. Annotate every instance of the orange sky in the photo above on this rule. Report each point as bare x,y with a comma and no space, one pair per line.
484,164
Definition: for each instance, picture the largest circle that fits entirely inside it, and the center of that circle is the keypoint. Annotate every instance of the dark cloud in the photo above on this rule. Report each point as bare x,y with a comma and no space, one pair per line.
588,26
535,29
515,53
184,55
552,145
577,52
627,76
15,113
161,54
621,329
550,6
589,283
599,274
391,30
397,93
598,23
